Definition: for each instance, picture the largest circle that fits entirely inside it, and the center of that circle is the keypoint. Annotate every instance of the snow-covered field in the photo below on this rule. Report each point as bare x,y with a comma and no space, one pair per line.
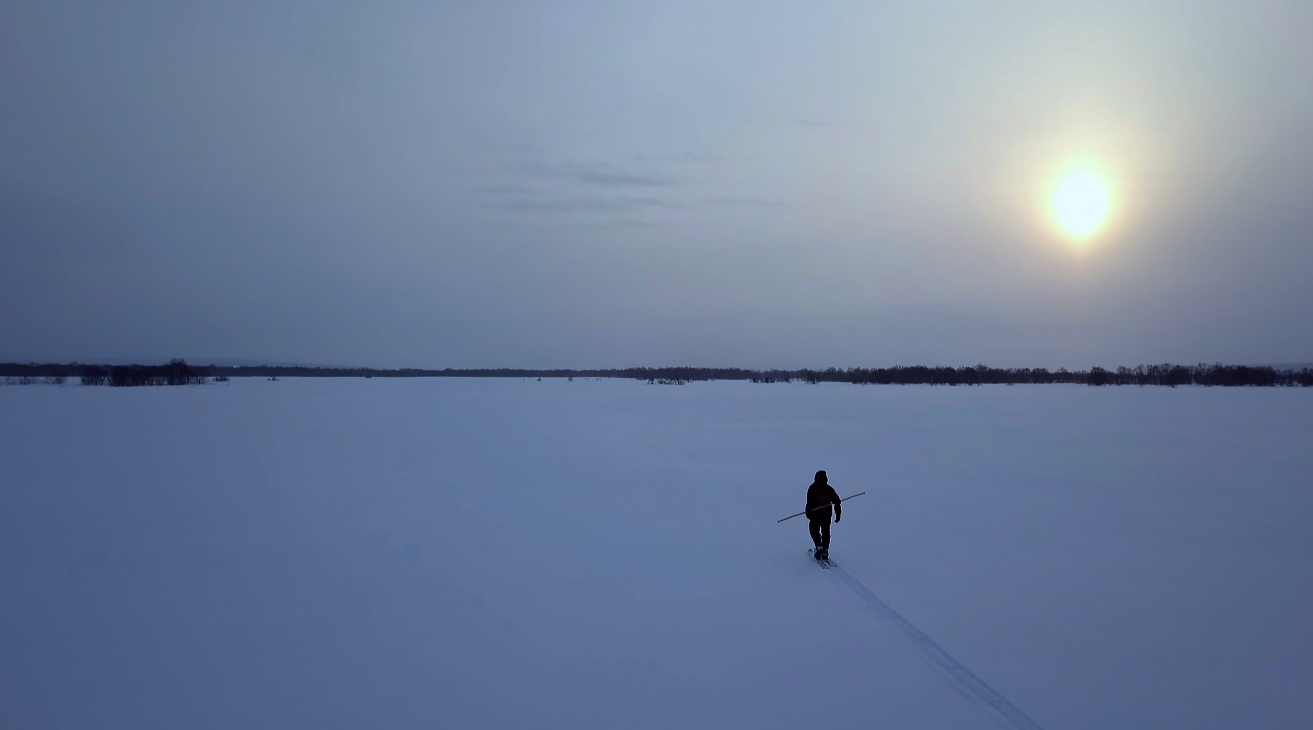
605,554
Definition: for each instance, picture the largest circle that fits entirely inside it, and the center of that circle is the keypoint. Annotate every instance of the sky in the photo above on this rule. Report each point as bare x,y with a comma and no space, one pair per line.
614,184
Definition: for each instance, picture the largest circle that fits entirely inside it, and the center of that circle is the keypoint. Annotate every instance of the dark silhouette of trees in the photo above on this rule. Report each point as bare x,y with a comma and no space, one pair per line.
177,372
94,375
127,376
1166,374
1099,376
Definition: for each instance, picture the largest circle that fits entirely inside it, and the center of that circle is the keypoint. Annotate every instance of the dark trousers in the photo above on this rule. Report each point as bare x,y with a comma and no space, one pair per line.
820,529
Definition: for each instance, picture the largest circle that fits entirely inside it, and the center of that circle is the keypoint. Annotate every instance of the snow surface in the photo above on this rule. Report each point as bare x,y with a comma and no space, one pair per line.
426,553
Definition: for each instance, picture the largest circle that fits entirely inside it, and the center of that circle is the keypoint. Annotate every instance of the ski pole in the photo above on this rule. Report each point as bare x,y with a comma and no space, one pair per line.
845,499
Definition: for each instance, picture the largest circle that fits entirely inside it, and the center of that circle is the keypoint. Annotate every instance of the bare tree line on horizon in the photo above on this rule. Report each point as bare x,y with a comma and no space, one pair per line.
178,372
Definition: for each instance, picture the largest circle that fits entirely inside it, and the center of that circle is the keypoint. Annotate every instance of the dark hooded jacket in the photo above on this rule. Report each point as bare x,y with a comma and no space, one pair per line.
820,495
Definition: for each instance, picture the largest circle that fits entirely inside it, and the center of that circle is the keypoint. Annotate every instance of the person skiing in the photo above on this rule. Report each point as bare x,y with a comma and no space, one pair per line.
820,495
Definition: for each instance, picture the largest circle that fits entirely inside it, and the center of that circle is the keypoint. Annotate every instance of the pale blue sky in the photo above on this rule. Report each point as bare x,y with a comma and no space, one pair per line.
578,184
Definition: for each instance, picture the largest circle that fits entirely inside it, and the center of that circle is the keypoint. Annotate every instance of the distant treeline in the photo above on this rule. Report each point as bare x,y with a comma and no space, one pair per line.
1165,374
178,372
175,372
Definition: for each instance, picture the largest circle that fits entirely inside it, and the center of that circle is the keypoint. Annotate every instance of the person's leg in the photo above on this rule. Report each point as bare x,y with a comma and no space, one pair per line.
815,527
825,534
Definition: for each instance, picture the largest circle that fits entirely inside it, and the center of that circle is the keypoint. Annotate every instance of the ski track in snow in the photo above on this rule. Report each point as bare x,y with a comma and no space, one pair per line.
996,706
963,680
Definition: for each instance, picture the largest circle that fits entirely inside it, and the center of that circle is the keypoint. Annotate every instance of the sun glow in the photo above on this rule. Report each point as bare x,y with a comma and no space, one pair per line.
1081,204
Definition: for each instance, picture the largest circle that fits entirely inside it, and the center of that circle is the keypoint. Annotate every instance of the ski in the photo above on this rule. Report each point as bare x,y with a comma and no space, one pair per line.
825,563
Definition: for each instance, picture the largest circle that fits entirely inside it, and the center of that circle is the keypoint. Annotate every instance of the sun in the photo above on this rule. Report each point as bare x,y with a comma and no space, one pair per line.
1081,204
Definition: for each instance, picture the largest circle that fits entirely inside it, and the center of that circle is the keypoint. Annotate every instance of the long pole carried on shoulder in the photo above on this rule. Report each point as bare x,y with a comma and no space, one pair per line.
845,499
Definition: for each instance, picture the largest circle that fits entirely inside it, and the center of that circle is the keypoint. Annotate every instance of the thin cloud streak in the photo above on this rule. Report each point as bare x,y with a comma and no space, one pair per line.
599,175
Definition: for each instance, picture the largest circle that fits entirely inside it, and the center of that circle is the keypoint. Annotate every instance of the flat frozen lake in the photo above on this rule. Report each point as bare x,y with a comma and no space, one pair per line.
419,553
